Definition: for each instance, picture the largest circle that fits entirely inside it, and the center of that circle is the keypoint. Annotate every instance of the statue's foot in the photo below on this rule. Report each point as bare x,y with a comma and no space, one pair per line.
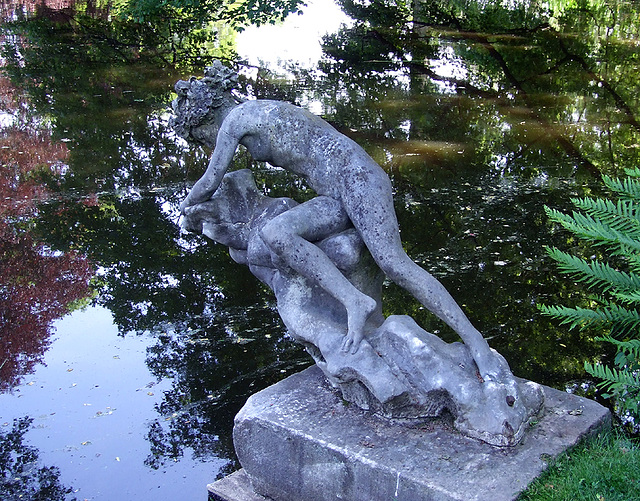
357,316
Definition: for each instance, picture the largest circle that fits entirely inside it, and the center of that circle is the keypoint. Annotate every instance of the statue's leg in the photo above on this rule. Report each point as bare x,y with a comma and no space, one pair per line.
289,236
367,197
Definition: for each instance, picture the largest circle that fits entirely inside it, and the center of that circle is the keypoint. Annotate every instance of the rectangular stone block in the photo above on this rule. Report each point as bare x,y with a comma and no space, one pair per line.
299,441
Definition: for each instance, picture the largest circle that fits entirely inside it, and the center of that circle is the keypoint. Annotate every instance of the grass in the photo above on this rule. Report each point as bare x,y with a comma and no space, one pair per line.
603,468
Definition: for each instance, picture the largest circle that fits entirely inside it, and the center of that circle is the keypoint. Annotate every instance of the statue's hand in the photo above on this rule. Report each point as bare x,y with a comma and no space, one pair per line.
493,368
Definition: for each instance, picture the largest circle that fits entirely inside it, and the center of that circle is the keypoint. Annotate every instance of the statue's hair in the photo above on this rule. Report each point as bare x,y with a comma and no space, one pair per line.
198,98
218,76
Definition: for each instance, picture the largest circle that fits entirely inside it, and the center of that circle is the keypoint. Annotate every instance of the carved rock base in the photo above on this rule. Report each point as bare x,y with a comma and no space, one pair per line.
297,440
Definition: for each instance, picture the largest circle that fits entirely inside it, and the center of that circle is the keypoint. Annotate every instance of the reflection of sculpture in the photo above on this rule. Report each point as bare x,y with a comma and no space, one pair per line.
316,256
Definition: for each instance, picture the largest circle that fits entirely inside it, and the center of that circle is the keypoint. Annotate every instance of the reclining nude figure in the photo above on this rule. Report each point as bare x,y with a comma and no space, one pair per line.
398,372
351,187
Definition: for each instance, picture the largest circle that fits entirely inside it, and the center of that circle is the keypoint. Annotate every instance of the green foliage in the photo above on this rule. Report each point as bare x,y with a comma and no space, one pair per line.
238,13
623,380
614,228
602,468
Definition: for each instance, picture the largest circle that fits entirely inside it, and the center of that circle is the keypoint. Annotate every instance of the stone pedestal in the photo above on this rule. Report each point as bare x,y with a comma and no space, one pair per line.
299,441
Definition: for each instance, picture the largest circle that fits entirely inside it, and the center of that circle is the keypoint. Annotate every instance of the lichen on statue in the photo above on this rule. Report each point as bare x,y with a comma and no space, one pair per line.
288,246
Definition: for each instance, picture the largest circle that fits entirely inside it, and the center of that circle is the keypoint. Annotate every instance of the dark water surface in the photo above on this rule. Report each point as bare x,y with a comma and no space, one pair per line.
126,346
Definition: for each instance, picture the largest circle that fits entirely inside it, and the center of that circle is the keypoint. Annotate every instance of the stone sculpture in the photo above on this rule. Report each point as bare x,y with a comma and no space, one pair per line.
325,260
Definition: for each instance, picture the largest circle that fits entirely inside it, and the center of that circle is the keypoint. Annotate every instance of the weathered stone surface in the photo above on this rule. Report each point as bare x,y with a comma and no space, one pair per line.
234,487
353,193
298,441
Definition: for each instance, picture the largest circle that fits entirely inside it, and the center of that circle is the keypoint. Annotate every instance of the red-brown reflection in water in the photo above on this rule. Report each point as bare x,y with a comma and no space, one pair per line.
37,284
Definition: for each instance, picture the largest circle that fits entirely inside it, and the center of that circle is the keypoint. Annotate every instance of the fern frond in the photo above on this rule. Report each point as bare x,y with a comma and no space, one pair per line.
634,263
588,228
602,233
623,321
614,316
614,226
624,215
630,346
628,188
596,273
613,377
633,172
575,317
627,297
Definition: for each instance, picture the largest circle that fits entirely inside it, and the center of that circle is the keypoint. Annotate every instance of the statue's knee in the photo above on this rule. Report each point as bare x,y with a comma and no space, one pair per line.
274,236
387,263
397,267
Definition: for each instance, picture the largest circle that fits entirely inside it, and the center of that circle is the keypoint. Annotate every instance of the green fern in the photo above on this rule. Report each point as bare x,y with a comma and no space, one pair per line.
630,347
621,383
634,263
596,231
621,216
616,318
628,188
613,377
596,274
632,172
628,355
614,227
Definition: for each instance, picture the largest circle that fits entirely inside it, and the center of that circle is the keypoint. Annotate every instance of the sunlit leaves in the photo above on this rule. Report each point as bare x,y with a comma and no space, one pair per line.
238,13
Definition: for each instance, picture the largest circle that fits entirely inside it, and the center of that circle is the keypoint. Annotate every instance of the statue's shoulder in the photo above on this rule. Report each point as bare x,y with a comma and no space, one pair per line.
266,112
255,108
266,104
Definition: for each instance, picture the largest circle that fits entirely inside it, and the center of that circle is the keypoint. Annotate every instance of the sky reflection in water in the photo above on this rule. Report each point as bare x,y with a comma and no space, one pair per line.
92,404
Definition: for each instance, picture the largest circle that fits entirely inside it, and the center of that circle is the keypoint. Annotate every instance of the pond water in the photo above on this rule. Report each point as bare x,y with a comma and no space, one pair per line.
127,346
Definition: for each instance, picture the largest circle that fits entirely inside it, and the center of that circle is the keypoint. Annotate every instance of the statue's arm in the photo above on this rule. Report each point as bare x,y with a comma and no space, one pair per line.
226,144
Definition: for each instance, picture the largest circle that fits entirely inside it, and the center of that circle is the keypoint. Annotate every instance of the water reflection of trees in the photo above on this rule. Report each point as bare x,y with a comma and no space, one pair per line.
215,368
21,476
219,337
105,98
37,284
539,87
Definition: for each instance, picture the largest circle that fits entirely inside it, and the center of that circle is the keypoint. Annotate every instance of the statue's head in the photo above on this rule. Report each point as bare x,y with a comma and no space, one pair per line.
197,109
